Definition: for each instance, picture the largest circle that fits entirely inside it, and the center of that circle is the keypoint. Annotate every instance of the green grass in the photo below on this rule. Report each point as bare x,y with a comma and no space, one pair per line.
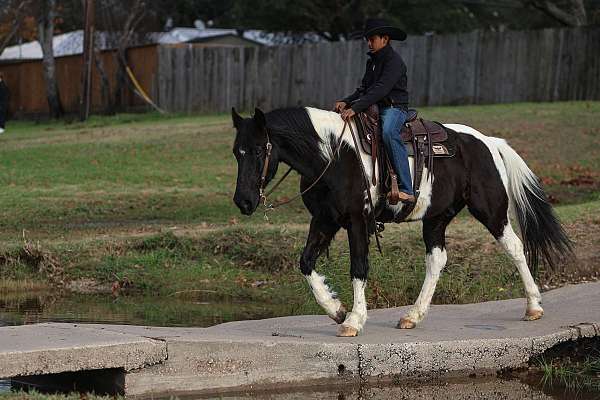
584,375
148,168
146,199
35,395
572,365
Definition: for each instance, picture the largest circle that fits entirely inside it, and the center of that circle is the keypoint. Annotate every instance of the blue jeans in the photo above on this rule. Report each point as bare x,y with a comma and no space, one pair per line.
392,120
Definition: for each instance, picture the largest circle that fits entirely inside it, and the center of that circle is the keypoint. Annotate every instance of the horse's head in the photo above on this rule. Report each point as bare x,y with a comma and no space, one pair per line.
250,150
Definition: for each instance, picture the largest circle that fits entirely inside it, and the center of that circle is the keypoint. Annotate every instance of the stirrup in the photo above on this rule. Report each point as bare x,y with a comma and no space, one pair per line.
394,195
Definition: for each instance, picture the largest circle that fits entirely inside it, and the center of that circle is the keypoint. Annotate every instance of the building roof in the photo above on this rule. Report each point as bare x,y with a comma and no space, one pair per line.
184,35
65,44
71,43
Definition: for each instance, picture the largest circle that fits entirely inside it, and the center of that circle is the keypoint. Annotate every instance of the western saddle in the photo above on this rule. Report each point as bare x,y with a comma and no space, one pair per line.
423,139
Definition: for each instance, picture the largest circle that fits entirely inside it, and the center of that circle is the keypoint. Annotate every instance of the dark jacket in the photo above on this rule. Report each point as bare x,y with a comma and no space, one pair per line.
4,94
3,103
384,82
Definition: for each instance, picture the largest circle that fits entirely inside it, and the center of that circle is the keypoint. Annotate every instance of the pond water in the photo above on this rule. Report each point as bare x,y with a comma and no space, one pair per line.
19,309
465,389
486,388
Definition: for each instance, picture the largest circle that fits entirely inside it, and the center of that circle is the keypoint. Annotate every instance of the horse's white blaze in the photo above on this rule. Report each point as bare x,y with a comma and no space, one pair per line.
323,294
434,263
358,316
242,152
514,247
328,125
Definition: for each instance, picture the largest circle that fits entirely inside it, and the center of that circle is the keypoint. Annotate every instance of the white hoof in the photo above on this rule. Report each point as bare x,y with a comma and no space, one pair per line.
347,331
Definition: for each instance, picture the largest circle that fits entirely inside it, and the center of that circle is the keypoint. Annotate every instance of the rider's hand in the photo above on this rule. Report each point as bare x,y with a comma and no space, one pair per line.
339,106
347,114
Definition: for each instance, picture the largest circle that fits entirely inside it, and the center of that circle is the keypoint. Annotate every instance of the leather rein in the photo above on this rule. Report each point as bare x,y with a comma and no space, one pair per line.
263,177
272,206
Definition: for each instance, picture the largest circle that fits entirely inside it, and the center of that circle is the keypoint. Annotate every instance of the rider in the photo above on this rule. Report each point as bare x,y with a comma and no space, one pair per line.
384,83
3,102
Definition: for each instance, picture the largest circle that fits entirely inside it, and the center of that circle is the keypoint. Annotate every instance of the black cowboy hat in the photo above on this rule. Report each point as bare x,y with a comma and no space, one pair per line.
378,26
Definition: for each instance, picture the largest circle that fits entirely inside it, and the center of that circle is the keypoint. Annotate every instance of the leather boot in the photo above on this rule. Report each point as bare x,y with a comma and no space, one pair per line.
406,198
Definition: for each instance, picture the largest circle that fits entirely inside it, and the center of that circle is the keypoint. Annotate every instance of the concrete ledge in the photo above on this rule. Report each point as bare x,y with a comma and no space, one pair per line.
211,367
53,348
454,340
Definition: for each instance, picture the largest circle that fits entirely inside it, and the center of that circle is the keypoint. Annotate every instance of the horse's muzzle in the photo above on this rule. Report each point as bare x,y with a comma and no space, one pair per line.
246,207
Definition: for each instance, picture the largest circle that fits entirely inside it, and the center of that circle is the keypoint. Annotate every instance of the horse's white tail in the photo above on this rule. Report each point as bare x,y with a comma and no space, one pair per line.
542,233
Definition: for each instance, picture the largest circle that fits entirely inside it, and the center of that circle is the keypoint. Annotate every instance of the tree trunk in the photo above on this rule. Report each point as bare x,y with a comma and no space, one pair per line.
117,98
136,13
88,56
46,36
104,82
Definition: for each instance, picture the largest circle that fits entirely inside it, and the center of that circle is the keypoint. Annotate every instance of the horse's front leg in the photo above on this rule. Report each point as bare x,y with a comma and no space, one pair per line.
359,268
319,236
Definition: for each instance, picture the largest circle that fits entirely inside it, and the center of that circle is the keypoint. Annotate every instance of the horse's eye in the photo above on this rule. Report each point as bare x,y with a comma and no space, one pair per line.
239,153
258,150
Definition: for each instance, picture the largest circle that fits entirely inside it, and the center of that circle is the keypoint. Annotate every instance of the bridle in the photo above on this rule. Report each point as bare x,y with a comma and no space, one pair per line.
265,170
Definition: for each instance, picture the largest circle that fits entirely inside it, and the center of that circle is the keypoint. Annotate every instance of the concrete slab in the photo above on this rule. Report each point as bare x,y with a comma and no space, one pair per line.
54,348
454,340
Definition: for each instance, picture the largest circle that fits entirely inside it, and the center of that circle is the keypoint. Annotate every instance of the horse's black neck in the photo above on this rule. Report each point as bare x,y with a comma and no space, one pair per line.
295,140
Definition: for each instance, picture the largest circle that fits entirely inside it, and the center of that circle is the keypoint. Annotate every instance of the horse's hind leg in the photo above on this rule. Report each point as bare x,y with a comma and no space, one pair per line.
319,236
496,219
434,235
514,247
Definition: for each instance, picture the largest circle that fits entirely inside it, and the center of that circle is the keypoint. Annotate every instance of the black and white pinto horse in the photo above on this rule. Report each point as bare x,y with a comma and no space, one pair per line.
486,175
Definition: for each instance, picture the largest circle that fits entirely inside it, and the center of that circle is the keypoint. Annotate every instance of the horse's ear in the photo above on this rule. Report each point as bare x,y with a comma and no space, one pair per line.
259,117
237,119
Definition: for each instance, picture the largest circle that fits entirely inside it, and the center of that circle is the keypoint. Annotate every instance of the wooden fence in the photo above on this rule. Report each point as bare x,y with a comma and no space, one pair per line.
28,90
471,68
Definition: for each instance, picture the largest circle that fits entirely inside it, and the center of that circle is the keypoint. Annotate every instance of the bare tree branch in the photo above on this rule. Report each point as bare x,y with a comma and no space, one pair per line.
16,25
578,17
134,18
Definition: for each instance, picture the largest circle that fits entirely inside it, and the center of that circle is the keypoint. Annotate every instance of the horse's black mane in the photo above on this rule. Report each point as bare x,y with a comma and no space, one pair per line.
292,128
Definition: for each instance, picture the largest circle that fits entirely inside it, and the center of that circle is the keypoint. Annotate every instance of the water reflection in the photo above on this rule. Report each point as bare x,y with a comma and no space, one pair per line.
28,308
471,389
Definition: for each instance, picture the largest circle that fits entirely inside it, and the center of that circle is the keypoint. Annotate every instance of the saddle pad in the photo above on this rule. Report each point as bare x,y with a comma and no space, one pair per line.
442,143
447,148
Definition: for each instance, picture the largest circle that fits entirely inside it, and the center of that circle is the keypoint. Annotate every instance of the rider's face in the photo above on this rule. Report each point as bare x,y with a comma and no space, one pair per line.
377,42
